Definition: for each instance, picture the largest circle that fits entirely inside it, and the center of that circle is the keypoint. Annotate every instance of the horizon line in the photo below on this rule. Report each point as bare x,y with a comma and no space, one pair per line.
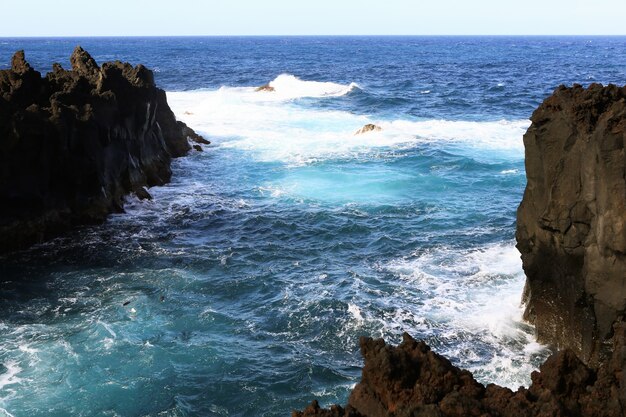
307,36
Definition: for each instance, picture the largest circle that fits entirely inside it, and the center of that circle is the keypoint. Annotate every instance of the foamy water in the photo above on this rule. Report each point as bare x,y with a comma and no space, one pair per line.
273,127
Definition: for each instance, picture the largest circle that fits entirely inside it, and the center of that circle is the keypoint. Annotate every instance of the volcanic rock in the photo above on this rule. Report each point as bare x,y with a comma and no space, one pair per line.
73,143
411,380
571,224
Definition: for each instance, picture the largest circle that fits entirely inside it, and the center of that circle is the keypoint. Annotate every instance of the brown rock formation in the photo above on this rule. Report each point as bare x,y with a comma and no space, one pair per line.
571,224
410,380
368,128
73,143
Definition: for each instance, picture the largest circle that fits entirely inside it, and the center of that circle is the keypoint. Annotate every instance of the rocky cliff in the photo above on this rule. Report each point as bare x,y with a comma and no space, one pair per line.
73,143
571,224
571,232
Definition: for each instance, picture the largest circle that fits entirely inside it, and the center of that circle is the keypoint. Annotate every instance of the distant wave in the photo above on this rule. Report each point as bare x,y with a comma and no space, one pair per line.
287,86
275,130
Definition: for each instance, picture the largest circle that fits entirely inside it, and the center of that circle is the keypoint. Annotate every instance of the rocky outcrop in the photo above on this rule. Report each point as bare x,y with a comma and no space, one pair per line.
571,232
571,224
73,143
410,380
368,128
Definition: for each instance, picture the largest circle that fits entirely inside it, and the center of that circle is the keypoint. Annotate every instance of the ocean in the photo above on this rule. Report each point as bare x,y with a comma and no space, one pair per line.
243,287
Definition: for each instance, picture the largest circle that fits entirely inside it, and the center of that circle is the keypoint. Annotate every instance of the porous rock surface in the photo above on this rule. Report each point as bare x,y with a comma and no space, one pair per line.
73,143
410,380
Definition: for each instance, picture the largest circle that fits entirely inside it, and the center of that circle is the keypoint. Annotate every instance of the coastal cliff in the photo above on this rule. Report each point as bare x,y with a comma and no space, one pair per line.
571,233
571,224
75,142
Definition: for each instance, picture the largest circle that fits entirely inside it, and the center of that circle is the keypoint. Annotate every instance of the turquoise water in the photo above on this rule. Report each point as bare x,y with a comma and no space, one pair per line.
243,287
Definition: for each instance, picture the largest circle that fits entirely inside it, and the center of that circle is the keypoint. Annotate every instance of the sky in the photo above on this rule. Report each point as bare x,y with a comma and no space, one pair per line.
311,17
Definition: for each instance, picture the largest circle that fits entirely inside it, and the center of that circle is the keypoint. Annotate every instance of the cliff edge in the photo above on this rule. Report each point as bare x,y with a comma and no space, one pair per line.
73,143
571,223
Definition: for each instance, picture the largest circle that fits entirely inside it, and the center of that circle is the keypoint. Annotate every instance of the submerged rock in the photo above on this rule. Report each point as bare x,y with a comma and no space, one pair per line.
368,128
411,380
73,143
571,224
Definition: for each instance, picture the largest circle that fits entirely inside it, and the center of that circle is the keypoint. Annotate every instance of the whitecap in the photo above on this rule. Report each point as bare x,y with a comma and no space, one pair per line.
5,413
355,311
287,87
271,130
509,171
9,377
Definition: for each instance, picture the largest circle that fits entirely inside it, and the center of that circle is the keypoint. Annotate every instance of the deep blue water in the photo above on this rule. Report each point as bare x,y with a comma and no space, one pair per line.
252,275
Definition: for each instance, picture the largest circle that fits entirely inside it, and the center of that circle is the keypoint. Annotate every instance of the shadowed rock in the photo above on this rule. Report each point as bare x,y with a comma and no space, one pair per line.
73,143
411,380
571,224
83,63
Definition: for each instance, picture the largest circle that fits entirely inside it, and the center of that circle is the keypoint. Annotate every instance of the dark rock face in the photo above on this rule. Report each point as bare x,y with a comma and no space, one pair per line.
571,224
410,381
73,143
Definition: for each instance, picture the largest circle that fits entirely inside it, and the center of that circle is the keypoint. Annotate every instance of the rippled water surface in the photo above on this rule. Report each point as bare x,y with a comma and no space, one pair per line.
243,287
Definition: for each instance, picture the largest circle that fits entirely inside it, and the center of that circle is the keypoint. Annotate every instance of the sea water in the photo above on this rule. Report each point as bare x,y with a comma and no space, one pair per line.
243,287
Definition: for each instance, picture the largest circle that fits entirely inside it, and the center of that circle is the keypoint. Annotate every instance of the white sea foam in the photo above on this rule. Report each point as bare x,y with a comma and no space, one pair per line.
476,292
5,413
9,377
462,285
509,171
273,128
287,87
355,311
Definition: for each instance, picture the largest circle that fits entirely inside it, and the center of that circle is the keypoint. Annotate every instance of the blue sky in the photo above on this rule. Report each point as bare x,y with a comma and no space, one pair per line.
319,17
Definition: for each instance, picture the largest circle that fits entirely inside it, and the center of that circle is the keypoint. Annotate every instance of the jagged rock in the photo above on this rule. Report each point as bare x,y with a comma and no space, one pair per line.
265,87
143,194
368,128
74,143
191,135
19,64
571,224
83,63
411,380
